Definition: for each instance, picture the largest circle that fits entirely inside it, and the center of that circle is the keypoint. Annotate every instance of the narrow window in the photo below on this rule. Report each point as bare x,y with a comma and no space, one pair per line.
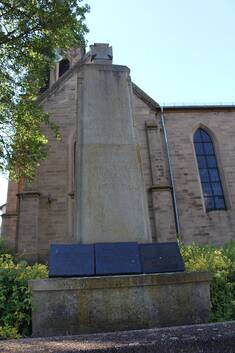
63,66
209,172
46,82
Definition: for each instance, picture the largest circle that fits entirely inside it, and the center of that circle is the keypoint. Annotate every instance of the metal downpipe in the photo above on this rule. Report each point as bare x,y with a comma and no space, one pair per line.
177,223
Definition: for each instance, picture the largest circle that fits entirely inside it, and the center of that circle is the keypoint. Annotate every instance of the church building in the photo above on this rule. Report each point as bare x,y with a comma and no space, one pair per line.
186,154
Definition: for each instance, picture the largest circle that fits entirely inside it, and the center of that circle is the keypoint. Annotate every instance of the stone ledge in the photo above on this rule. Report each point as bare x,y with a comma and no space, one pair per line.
9,215
84,283
28,194
206,338
160,188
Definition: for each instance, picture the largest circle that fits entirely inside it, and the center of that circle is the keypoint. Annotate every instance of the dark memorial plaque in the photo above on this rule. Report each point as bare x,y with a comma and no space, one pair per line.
161,257
117,258
71,260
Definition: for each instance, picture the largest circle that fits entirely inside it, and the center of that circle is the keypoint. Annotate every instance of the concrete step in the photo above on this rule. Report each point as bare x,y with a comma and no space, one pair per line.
206,338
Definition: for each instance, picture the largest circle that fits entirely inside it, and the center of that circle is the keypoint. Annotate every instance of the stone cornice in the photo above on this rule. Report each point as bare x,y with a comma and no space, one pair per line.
160,188
29,194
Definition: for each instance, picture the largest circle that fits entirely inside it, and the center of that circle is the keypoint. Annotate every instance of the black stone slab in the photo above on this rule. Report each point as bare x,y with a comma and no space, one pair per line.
161,257
71,260
117,258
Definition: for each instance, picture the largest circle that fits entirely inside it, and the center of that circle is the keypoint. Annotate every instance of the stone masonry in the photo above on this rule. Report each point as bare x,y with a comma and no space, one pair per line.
42,213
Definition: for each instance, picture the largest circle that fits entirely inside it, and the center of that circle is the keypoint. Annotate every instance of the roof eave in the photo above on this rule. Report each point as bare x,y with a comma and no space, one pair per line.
145,97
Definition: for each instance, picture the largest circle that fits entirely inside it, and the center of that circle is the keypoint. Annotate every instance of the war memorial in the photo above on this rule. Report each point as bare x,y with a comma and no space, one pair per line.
104,210
113,277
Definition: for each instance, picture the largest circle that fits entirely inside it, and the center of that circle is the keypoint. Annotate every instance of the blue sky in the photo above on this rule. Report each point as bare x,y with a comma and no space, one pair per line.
178,51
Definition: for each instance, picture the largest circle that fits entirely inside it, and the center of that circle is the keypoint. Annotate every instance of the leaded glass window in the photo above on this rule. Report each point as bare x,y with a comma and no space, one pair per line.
209,172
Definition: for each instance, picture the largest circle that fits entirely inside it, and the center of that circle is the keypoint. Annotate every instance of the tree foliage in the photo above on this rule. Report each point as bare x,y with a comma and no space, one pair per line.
32,33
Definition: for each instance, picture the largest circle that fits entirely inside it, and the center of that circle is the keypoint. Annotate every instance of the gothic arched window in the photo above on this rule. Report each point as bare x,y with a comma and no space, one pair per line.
209,171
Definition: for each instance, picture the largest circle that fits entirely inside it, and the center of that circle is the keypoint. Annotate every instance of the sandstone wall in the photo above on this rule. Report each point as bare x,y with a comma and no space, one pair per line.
156,171
197,225
43,212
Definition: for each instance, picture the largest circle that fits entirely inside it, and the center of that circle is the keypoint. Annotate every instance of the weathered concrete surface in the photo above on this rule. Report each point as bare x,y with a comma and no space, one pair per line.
210,338
115,303
110,196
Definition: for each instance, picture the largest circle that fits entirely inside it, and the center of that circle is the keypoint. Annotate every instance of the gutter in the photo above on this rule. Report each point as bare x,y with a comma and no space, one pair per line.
216,107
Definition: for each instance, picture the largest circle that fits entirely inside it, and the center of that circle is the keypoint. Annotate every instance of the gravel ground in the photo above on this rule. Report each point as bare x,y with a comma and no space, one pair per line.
207,338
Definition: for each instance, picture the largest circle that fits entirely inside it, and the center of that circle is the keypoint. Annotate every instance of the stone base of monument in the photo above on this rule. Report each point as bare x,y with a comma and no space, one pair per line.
69,306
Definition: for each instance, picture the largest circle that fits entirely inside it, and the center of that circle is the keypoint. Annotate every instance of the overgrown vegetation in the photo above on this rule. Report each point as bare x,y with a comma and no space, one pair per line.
221,264
15,297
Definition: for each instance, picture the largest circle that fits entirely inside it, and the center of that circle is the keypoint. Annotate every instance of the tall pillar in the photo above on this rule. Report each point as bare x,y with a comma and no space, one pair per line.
27,244
161,189
111,202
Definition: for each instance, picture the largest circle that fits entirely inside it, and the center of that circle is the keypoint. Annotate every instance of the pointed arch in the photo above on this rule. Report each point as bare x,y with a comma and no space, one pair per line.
208,170
64,65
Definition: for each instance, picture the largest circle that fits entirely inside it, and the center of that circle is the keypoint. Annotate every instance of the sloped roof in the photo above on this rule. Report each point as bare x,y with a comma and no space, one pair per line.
145,97
138,91
2,207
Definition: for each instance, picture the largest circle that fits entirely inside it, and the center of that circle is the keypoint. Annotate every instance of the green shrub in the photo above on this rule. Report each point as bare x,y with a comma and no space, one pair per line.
221,264
15,298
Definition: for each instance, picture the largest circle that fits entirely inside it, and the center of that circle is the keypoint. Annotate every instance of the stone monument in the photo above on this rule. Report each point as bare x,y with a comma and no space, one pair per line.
111,204
111,207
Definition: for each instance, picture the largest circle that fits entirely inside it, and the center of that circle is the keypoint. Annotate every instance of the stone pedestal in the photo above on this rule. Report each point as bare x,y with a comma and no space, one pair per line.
102,304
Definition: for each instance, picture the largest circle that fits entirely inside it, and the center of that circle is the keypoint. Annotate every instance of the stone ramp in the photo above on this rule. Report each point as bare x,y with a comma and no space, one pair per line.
206,338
